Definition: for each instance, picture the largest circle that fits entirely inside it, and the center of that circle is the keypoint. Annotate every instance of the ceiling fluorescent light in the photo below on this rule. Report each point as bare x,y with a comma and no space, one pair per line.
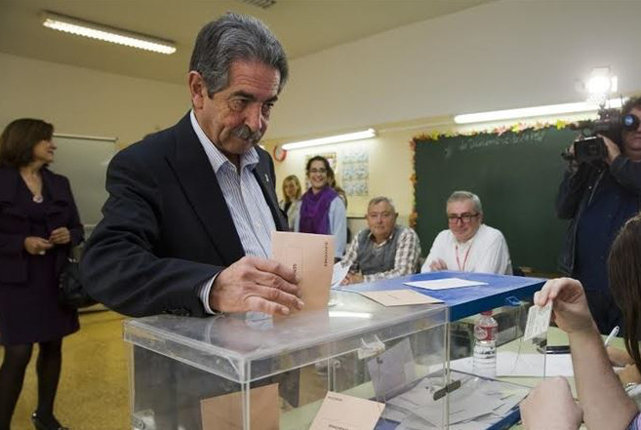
340,138
107,34
564,108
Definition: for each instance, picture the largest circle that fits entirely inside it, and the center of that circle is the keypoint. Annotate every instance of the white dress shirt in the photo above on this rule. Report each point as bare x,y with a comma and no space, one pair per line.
486,252
248,208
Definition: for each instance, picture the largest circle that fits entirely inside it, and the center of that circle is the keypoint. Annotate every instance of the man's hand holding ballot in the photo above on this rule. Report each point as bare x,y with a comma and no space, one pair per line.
256,284
310,257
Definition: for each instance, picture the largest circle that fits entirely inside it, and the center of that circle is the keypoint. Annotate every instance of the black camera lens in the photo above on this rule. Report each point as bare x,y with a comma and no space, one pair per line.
630,122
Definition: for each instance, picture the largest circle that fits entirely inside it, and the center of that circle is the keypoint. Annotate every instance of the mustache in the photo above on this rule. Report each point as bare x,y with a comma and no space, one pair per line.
245,133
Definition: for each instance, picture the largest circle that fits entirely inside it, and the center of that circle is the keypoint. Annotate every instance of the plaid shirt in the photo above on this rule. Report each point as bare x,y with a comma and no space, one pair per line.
408,250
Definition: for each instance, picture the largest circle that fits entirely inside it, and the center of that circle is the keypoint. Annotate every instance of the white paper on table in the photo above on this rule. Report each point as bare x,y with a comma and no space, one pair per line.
464,404
529,365
339,274
445,283
400,297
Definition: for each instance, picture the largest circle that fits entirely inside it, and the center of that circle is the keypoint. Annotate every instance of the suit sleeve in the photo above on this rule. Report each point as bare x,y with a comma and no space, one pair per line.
12,244
627,173
571,190
122,266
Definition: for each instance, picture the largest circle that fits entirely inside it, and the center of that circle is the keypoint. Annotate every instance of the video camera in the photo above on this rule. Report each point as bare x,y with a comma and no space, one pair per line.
590,147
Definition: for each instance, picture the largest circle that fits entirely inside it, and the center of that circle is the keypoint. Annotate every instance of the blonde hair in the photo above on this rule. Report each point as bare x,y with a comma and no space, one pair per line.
294,179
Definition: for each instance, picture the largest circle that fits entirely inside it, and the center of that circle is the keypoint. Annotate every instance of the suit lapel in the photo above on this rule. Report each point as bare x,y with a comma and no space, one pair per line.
200,185
53,186
265,179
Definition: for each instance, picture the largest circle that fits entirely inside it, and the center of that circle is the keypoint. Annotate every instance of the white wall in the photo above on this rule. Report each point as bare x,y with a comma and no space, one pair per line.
84,101
509,53
504,54
390,167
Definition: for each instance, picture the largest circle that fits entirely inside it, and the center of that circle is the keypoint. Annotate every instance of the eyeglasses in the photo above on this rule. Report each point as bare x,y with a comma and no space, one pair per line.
464,218
315,170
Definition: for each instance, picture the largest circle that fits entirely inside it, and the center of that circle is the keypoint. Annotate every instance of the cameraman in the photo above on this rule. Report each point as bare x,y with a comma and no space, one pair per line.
598,198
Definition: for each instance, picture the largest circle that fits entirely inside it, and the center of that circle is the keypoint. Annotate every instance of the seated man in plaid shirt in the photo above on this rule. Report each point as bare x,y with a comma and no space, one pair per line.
385,249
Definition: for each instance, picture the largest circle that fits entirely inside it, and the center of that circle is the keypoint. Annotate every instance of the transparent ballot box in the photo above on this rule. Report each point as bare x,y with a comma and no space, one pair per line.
252,371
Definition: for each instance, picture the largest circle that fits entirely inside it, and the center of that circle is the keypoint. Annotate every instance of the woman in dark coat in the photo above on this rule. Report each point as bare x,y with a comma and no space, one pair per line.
39,224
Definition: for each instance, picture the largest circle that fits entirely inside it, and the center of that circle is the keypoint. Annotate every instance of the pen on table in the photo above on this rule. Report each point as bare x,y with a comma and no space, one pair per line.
612,334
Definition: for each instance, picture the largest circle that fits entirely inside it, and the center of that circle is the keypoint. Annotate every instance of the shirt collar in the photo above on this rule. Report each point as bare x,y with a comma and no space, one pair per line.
216,158
371,237
467,242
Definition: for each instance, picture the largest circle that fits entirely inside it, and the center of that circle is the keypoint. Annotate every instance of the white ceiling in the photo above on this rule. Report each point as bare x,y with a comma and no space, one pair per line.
303,26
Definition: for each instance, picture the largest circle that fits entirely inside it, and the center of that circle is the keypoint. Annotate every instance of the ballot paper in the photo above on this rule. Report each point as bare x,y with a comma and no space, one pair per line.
444,284
225,412
474,399
400,297
339,411
312,258
393,369
339,273
538,321
476,404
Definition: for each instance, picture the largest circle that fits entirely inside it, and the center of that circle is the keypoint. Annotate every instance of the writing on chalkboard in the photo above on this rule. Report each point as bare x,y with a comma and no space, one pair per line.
516,175
484,141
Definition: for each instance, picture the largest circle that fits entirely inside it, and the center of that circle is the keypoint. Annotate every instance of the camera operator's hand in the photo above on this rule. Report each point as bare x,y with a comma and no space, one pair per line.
613,149
570,149
568,155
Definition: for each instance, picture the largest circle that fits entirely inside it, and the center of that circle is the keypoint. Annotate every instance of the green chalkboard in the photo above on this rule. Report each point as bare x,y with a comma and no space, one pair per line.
516,175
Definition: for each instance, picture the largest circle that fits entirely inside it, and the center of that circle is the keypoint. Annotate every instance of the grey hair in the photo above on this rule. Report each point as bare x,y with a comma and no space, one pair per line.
230,38
457,196
380,199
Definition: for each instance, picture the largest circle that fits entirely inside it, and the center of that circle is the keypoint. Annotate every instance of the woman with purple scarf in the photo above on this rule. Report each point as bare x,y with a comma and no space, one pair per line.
322,211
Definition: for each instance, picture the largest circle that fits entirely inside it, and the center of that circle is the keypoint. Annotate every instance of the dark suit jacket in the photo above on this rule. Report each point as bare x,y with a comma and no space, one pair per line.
166,226
15,226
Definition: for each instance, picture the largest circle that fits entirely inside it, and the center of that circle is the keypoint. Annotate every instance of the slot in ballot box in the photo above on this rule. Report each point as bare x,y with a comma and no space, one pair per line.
251,371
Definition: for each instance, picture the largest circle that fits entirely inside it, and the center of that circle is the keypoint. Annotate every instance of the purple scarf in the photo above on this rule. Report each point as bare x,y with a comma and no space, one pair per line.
314,211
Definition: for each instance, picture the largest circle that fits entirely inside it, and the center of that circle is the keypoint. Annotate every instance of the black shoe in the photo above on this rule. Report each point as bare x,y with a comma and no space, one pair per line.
51,424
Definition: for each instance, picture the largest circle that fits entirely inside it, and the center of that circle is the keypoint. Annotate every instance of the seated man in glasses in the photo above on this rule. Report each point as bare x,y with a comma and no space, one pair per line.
383,250
468,245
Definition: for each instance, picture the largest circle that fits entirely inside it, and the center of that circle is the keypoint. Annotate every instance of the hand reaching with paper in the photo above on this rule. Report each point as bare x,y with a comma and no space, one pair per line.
570,307
256,284
550,406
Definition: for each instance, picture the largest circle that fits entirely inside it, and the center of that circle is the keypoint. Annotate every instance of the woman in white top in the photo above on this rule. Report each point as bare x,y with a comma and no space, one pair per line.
291,199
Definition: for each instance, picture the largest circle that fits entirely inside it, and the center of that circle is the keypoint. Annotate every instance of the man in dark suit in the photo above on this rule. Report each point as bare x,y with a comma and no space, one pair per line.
186,228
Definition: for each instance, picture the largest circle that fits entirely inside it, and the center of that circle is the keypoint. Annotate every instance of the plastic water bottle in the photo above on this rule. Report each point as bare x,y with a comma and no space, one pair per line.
485,331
